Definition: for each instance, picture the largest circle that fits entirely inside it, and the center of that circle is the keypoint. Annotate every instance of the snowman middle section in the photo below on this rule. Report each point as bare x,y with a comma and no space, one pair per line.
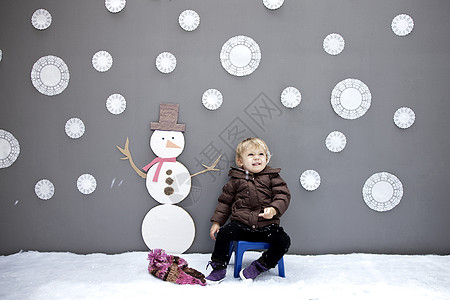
173,184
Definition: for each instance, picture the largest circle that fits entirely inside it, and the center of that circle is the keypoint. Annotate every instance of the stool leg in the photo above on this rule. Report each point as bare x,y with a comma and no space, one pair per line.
281,268
238,256
232,248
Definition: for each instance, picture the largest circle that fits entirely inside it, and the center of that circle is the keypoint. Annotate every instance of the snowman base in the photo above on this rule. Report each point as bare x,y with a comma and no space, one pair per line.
168,227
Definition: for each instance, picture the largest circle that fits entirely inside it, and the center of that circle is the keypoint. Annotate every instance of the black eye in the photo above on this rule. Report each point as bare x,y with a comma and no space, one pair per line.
163,139
173,138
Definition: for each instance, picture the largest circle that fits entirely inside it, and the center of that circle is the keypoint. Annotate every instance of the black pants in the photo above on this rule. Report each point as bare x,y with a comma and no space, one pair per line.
235,231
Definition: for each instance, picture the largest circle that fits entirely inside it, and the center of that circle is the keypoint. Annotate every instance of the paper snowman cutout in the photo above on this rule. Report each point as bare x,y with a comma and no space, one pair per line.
167,226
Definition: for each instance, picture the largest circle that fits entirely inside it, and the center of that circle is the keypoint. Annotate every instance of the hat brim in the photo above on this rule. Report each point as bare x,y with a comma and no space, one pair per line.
167,126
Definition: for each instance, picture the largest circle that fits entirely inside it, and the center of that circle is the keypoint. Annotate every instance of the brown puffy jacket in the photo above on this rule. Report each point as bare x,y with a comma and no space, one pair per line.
245,196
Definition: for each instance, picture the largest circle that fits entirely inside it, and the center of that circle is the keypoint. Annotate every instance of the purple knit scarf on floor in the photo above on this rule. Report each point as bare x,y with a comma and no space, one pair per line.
173,268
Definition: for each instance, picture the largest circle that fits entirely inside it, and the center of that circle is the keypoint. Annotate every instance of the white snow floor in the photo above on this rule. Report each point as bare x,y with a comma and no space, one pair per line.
37,275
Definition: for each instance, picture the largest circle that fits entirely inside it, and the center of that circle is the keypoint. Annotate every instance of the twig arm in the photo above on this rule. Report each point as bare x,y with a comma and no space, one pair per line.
126,151
210,168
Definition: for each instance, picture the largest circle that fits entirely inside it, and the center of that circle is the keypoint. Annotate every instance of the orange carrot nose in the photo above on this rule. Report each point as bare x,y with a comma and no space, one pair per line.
169,144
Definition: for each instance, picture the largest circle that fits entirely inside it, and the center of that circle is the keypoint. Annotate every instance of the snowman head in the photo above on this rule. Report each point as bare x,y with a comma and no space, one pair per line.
167,139
167,144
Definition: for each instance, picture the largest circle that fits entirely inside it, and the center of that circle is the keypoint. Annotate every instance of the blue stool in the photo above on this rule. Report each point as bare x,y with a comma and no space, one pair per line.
239,247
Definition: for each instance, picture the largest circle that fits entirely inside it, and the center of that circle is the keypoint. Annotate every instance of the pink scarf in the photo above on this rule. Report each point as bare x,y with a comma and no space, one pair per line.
159,160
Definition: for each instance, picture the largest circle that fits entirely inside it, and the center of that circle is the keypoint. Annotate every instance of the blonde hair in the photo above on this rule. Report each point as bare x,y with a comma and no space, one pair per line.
250,143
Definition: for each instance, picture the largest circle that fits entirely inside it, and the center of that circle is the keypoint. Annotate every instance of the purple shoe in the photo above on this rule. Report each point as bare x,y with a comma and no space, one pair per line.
252,271
218,273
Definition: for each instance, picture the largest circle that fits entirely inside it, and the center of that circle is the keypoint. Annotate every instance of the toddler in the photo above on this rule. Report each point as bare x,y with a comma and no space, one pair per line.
255,197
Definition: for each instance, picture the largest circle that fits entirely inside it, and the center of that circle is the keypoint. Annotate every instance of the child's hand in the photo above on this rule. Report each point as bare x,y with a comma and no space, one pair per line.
214,229
268,213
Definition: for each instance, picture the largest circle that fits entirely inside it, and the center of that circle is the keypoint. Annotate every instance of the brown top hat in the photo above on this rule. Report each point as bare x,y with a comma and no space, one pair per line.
168,118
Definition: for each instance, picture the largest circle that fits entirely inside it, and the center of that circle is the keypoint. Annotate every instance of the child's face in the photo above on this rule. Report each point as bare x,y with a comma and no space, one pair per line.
253,160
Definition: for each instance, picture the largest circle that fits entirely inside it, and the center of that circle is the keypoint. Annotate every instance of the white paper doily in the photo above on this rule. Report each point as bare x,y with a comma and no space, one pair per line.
404,117
212,99
74,128
291,97
402,25
336,141
189,20
333,44
273,4
86,184
44,189
168,227
50,75
382,191
351,98
166,62
9,149
240,55
116,104
115,6
102,61
310,180
41,19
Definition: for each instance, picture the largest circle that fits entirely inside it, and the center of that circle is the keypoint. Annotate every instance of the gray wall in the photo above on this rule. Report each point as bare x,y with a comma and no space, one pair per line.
411,71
